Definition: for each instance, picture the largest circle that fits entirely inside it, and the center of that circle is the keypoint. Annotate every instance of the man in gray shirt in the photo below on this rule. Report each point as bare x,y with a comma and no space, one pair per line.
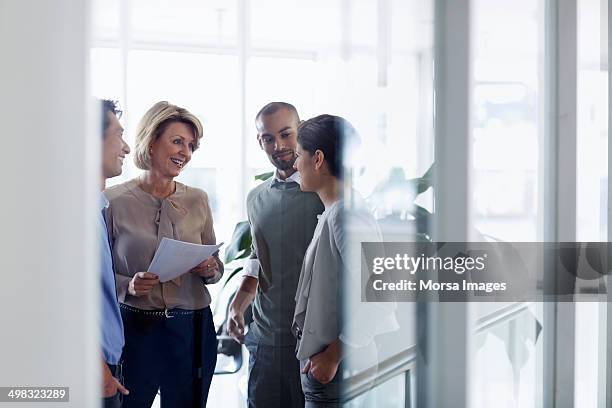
283,220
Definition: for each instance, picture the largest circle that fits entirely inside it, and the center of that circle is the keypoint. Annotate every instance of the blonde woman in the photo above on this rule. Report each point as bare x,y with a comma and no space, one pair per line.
170,337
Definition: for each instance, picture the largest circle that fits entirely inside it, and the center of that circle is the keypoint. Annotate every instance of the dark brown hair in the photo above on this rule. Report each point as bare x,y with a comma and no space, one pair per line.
106,105
329,134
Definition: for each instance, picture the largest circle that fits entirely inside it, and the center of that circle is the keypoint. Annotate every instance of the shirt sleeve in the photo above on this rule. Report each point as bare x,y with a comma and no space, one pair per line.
122,282
251,267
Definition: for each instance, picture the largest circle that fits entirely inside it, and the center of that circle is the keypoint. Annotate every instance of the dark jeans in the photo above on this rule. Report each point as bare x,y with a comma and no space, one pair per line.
116,400
161,353
319,395
274,377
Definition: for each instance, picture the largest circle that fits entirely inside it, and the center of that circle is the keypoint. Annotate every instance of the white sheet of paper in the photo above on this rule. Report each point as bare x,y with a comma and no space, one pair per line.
174,258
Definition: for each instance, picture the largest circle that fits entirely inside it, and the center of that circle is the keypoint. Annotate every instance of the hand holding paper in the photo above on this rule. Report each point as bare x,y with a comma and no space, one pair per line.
142,283
208,268
174,258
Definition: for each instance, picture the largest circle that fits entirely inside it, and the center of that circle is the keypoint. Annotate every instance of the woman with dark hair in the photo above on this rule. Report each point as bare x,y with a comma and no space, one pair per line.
330,281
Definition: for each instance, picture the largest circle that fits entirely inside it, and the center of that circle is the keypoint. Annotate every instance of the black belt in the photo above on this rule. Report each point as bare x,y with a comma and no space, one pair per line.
167,313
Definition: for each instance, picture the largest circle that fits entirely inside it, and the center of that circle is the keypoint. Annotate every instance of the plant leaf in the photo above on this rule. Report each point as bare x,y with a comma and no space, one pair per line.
264,176
240,244
430,172
420,237
422,184
231,275
422,218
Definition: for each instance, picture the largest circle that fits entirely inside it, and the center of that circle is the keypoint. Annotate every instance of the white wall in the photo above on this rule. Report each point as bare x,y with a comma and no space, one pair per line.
48,294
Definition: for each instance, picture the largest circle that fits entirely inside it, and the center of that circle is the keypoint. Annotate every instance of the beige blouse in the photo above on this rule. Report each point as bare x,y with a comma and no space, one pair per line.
137,221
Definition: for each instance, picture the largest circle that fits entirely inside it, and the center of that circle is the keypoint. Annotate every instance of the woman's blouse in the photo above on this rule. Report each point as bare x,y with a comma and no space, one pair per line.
137,221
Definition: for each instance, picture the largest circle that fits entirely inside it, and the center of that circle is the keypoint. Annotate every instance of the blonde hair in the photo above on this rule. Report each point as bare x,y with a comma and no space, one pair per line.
154,123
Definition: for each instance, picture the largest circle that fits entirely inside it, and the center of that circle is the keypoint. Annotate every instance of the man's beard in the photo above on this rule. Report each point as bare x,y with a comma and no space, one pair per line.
284,164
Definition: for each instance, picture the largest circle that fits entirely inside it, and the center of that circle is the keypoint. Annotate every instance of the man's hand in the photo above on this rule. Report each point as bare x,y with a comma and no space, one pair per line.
324,365
111,385
142,283
240,303
235,325
208,268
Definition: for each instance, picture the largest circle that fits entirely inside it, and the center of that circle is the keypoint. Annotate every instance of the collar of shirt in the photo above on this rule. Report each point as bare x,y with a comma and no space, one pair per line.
295,177
103,202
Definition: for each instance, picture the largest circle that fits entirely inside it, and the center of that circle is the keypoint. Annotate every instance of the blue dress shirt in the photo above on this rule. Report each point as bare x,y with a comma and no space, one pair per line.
111,324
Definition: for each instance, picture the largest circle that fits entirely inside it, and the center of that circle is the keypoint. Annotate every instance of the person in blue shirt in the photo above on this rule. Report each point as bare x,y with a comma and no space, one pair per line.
114,150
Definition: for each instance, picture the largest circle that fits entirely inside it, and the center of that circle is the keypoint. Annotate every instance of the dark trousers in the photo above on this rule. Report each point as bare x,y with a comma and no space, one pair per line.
321,395
274,377
161,353
116,400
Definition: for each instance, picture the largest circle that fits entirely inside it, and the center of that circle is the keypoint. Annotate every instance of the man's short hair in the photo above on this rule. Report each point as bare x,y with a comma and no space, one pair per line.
274,107
106,105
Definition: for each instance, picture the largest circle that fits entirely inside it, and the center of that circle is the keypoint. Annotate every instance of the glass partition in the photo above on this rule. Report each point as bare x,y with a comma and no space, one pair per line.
507,134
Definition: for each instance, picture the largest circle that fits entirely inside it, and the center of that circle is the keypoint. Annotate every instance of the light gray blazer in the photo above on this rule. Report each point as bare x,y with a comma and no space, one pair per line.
333,258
